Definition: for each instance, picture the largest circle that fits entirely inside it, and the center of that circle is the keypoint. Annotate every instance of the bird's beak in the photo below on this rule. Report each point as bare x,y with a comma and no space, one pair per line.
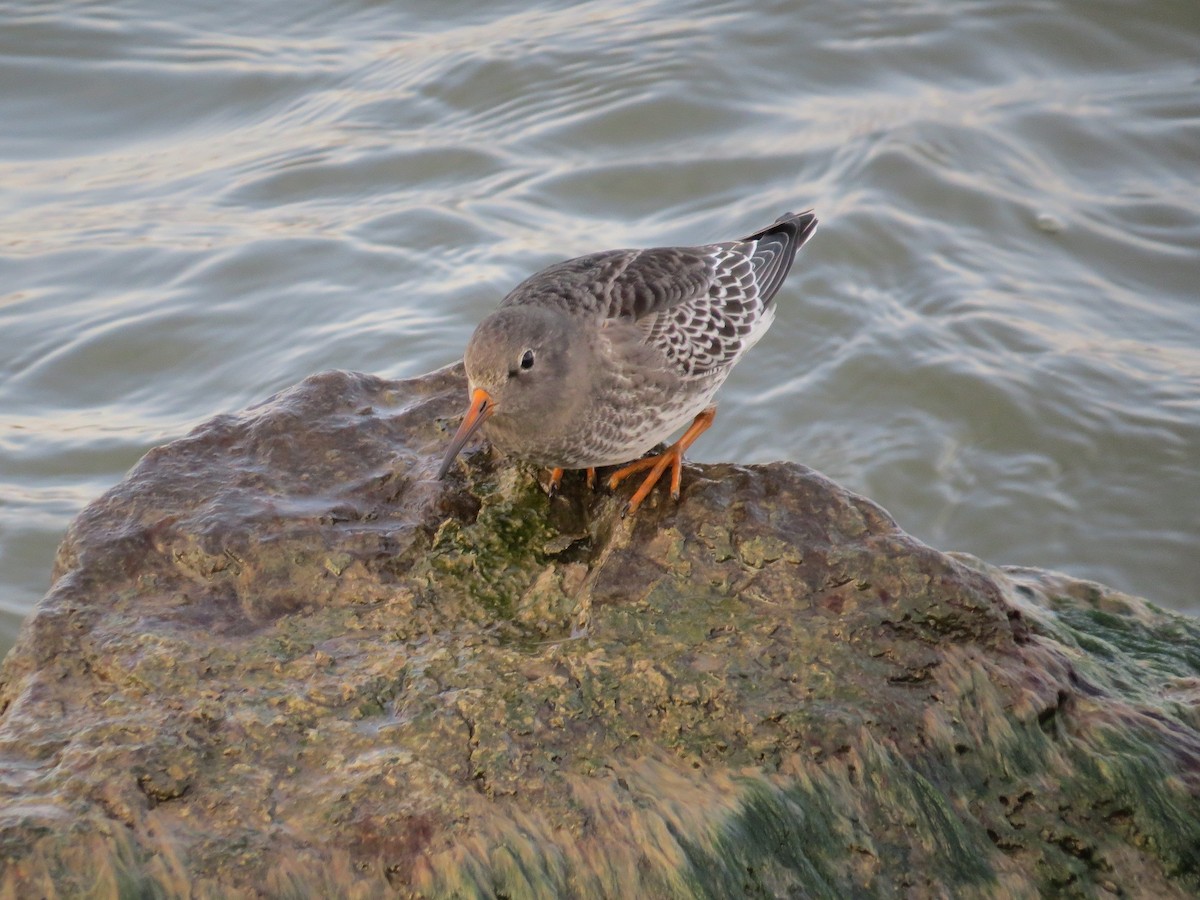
481,407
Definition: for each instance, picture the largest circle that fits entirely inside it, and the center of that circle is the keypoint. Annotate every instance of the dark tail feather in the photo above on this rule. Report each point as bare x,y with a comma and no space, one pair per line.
777,246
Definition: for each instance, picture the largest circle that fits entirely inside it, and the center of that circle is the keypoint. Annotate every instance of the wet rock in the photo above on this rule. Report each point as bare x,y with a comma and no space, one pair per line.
279,658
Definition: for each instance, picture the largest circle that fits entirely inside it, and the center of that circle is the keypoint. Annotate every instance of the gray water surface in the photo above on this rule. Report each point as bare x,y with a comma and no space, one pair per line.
995,333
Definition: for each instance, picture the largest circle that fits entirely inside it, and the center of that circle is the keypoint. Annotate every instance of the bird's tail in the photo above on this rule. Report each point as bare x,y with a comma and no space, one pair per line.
776,248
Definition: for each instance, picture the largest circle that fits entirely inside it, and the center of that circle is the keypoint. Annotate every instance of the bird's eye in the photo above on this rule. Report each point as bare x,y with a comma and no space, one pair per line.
527,359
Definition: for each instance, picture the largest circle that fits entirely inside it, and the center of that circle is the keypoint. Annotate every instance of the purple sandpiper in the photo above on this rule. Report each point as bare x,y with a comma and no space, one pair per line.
594,361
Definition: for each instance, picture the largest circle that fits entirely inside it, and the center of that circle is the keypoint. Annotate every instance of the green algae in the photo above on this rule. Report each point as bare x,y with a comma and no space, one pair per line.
495,558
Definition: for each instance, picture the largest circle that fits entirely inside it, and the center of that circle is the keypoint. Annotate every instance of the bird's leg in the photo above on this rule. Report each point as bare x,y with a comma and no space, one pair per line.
556,476
672,456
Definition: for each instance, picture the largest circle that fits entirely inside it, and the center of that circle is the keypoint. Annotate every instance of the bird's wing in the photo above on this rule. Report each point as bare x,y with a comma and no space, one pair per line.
699,307
703,307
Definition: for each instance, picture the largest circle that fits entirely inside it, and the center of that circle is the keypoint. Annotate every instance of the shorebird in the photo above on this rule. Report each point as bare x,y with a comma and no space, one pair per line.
596,360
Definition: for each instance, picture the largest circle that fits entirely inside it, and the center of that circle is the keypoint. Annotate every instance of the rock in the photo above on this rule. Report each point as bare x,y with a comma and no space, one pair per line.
279,658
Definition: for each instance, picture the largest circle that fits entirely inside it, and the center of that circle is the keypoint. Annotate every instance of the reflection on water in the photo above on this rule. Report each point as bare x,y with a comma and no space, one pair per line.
995,334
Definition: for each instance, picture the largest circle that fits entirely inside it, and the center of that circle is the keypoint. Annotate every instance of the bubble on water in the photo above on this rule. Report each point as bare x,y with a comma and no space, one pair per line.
1049,223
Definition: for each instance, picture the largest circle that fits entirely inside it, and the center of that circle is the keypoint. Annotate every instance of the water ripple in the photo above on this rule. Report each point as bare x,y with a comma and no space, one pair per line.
994,333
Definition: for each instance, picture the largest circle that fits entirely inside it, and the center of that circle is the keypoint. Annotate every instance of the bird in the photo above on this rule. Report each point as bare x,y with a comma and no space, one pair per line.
595,361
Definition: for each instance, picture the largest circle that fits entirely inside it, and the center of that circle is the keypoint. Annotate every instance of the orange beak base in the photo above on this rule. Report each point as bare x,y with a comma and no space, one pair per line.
481,407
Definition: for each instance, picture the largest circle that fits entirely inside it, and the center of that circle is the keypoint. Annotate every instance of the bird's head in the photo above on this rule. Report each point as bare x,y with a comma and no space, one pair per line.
519,372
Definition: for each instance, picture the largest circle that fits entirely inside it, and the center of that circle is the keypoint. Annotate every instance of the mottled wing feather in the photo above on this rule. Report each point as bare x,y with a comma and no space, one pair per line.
700,307
657,280
711,329
583,284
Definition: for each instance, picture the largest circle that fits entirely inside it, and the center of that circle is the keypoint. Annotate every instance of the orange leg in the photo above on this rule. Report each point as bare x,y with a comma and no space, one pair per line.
673,457
556,476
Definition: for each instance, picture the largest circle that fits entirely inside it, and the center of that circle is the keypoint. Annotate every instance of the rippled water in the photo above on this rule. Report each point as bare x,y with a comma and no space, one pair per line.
995,333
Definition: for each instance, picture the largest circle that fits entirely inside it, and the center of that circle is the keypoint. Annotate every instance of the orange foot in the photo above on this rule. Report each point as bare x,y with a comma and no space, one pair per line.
556,479
673,457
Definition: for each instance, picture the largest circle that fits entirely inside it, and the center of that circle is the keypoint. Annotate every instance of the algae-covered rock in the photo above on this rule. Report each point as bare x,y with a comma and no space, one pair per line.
280,659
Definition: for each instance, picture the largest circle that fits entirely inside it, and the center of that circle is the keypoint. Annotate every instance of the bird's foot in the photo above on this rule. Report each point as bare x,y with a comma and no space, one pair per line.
556,476
672,456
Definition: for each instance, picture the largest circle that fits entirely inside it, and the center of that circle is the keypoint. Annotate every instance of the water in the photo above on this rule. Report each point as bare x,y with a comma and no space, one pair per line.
995,333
